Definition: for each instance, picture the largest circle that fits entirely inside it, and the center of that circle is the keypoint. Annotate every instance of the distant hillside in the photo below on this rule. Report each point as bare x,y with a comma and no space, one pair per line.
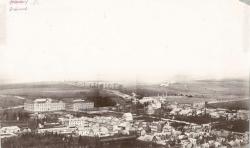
210,89
9,101
192,90
34,90
214,88
234,105
57,91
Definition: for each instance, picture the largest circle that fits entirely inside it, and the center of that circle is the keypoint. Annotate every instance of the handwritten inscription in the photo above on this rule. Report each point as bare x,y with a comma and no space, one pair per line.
21,5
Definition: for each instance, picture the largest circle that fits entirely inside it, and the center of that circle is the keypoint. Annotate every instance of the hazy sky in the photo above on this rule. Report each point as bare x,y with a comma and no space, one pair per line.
145,40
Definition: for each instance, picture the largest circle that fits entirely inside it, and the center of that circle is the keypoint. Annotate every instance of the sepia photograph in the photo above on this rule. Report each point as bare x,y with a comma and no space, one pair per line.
124,73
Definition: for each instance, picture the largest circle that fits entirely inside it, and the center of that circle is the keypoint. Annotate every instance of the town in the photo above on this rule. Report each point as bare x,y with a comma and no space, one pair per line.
152,121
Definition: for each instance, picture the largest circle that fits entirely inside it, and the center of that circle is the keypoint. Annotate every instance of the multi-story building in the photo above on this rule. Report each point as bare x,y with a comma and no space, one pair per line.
44,105
79,105
72,122
155,127
77,122
199,104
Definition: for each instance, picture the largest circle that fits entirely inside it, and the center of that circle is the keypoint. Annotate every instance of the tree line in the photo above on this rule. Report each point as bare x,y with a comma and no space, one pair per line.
17,115
49,140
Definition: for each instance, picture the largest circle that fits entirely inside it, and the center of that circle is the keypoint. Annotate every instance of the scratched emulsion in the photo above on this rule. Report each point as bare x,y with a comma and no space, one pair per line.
2,23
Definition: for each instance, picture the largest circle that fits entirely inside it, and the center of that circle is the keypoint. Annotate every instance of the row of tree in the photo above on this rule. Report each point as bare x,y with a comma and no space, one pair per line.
47,140
10,114
54,140
100,98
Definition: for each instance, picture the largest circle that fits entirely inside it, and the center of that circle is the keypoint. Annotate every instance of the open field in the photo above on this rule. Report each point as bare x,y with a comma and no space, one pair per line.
241,104
203,89
58,91
217,88
9,101
43,90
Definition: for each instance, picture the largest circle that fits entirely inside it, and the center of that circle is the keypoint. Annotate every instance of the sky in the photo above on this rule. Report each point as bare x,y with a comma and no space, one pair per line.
130,40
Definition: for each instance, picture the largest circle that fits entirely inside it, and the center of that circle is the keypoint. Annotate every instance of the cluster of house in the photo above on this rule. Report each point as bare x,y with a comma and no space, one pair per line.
163,132
229,115
100,126
48,104
156,102
191,108
151,103
190,135
10,131
199,109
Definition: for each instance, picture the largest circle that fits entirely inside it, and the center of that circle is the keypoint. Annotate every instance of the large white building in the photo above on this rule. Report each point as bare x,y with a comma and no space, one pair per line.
77,122
80,105
44,105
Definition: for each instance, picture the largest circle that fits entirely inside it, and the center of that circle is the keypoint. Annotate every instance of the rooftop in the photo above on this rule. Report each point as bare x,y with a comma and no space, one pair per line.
78,100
